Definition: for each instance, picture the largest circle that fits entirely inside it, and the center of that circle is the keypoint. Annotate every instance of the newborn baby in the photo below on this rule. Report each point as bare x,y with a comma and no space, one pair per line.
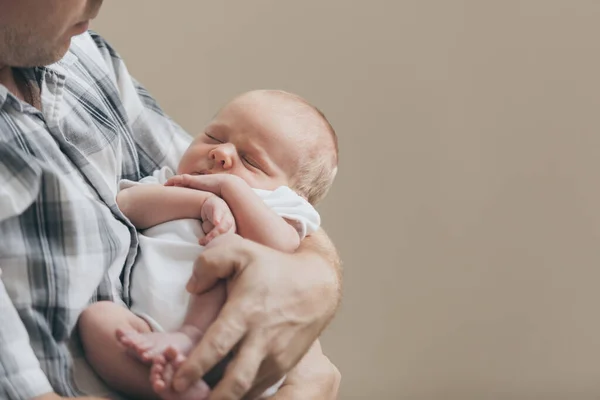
261,163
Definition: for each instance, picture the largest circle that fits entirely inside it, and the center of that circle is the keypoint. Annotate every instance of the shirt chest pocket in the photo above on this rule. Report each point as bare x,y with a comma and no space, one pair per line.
95,134
91,120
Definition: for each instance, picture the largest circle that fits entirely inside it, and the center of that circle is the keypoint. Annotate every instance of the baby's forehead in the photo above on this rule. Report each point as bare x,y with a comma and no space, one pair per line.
269,109
280,117
275,100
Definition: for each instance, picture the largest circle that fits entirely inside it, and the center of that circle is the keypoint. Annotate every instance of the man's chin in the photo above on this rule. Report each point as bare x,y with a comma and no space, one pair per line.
44,58
58,54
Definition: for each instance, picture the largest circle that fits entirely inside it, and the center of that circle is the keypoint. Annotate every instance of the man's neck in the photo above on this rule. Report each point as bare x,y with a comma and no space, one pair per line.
17,87
6,75
7,78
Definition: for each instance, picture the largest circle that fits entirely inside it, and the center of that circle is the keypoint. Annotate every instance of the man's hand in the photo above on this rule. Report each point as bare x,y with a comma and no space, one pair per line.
277,306
217,219
314,378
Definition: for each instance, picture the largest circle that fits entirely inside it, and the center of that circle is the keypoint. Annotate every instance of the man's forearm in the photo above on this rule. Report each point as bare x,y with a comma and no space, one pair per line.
149,205
314,377
319,244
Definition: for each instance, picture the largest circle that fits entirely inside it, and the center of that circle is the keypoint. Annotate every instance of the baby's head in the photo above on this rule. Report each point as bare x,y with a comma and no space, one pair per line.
269,138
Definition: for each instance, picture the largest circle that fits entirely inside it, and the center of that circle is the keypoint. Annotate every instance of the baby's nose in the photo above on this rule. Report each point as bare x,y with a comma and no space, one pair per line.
223,155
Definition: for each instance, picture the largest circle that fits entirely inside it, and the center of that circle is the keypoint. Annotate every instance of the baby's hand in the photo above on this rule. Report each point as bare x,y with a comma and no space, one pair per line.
217,219
214,183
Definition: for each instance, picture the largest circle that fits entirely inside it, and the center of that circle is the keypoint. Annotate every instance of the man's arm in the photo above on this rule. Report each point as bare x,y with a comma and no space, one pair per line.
20,374
313,378
147,205
320,245
263,286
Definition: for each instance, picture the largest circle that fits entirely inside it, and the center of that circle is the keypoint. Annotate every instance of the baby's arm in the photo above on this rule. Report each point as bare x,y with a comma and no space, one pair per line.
254,219
148,205
257,221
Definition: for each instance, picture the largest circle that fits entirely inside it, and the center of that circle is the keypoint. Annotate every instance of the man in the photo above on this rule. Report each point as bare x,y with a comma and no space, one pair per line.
73,122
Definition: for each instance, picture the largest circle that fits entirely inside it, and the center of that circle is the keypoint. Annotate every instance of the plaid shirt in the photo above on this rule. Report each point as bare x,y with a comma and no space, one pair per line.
63,241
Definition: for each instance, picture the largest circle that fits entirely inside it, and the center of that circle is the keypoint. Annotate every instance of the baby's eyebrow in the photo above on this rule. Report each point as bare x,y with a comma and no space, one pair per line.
217,126
213,126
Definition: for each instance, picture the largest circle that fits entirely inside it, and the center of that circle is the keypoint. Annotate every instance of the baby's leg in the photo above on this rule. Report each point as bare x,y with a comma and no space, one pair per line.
202,311
110,360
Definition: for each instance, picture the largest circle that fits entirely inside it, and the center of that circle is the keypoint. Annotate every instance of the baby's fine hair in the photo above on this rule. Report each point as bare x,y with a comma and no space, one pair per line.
316,174
318,168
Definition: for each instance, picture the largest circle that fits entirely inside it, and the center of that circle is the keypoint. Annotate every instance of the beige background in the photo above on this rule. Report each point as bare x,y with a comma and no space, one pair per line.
466,208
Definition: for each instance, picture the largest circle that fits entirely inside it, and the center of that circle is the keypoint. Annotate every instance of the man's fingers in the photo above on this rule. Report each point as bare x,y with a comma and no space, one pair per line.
266,378
220,338
260,387
240,374
221,258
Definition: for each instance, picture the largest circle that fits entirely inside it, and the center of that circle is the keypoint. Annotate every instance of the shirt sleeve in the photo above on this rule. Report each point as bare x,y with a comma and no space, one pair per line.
158,139
289,205
21,376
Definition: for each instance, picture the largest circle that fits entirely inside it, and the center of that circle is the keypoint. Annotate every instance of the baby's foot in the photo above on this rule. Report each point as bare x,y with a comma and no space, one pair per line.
146,346
161,378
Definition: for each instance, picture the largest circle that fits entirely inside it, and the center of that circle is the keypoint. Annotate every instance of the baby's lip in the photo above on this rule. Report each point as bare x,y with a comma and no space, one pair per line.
201,173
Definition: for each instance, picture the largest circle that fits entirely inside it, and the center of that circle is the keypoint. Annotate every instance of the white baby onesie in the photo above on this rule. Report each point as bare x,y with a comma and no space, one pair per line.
167,253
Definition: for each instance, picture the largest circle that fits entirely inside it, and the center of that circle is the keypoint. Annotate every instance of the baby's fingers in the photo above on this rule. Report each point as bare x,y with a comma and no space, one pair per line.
226,225
207,226
176,180
210,236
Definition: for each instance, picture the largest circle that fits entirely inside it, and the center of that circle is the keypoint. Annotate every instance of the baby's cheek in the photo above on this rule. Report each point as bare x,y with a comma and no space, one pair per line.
183,167
246,176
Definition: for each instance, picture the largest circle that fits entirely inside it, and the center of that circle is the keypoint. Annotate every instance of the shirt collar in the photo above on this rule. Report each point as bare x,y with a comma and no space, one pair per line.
59,68
62,66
